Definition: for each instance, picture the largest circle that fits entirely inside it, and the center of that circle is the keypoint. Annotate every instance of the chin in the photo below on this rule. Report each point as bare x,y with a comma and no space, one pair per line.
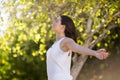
53,29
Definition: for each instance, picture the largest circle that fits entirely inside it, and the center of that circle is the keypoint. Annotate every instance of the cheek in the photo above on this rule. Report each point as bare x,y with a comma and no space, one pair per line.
56,26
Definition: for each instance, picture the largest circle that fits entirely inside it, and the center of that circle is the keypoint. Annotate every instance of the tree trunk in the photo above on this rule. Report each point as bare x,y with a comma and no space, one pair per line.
78,66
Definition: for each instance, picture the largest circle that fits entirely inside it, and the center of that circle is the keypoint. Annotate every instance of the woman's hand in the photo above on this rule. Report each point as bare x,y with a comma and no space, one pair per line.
101,54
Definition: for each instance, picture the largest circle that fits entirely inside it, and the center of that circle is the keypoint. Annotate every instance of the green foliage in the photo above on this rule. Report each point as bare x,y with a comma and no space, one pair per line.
28,36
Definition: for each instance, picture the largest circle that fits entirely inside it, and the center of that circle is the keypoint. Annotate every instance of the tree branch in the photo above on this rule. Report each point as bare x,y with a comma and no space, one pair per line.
103,35
89,25
116,14
89,22
78,66
101,25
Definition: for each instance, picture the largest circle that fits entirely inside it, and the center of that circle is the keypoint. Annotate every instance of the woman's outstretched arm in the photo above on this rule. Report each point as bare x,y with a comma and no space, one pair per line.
71,45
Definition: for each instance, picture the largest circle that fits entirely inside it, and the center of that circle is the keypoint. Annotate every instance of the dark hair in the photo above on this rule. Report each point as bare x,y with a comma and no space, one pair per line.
70,30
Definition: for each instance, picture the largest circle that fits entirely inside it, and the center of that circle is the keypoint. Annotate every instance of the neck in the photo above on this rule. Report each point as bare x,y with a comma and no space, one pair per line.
59,36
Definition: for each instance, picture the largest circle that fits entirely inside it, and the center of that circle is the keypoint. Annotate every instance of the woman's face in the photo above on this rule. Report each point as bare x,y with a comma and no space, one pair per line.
57,25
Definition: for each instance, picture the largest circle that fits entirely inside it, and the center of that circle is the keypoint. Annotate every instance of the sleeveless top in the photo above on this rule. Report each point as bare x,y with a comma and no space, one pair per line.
58,62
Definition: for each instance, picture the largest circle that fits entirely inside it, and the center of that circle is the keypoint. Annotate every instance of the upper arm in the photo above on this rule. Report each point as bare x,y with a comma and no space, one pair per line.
71,44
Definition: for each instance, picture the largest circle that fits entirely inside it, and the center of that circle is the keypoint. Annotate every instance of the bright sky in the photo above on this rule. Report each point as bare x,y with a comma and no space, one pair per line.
4,15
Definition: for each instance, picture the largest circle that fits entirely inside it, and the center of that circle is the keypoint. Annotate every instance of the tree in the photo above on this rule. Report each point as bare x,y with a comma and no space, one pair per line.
28,36
21,57
99,18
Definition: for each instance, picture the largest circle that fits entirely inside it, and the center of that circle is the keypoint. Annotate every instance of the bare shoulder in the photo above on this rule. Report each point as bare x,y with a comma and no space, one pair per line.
68,40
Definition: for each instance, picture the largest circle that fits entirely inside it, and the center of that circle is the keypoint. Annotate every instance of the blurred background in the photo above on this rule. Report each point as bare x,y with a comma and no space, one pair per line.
25,36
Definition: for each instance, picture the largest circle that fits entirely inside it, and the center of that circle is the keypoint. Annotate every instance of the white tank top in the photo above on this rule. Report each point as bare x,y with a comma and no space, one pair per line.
58,62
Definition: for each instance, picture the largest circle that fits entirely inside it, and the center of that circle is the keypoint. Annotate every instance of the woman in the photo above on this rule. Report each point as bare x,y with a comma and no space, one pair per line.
59,54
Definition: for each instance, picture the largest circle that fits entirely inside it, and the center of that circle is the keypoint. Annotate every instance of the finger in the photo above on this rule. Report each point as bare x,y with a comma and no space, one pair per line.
101,50
106,55
103,55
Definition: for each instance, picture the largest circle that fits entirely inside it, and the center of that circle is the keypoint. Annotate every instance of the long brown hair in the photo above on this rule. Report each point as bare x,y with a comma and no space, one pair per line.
70,30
